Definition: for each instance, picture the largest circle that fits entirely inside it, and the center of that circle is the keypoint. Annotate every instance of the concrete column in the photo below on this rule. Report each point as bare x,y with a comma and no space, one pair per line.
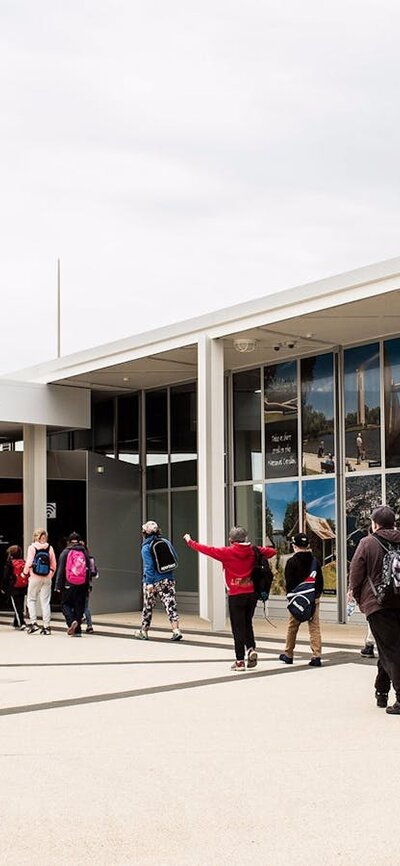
211,499
34,479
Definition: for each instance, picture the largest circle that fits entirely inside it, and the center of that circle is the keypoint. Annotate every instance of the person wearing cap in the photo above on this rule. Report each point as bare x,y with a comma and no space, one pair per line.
297,569
238,561
156,585
383,619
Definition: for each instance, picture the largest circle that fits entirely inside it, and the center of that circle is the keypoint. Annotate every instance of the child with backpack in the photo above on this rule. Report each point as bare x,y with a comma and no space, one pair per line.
72,580
159,561
15,584
40,567
298,571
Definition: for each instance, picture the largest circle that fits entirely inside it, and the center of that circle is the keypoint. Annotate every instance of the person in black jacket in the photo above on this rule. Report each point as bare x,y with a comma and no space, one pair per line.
297,569
72,580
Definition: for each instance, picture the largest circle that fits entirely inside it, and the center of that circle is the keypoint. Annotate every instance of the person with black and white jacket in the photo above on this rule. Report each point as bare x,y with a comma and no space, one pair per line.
297,569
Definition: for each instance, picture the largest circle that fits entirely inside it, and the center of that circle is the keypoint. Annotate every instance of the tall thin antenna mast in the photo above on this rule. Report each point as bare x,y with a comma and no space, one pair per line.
58,308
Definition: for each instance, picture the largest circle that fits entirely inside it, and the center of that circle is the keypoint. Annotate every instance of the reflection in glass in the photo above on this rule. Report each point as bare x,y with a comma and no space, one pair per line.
128,428
157,509
103,426
156,439
281,521
184,519
320,526
183,415
317,414
362,407
248,511
363,494
392,402
393,493
247,425
280,416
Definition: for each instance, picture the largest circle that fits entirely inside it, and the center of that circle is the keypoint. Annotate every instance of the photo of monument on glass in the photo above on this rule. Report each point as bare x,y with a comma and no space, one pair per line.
392,402
280,417
363,494
362,408
281,520
317,412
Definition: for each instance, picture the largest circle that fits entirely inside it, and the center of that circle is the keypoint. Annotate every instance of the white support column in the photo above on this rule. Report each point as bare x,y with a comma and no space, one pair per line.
35,480
211,499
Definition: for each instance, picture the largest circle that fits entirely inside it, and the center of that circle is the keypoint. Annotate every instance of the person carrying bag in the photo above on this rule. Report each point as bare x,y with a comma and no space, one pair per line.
304,586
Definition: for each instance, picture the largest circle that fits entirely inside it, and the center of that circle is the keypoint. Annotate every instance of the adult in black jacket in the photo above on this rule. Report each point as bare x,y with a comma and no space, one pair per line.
73,595
297,569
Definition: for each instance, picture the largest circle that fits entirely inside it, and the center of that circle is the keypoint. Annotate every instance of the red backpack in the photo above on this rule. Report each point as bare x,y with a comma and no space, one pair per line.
17,567
76,567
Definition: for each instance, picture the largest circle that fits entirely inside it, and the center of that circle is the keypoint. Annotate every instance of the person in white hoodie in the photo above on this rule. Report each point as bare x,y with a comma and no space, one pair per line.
40,565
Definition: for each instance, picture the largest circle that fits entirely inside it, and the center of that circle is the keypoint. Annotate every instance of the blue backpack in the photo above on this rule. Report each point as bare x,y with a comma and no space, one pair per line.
41,562
301,601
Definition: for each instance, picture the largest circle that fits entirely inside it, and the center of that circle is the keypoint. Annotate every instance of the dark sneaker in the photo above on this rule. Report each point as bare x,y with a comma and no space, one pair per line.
73,627
176,634
45,630
394,710
238,666
381,699
252,658
284,658
368,651
89,629
22,627
315,663
32,628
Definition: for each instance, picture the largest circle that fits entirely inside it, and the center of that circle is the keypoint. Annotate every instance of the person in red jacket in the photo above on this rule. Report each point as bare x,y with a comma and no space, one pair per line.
238,561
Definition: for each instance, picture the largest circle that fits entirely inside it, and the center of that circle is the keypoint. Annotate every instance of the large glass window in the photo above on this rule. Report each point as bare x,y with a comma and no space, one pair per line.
392,402
363,494
317,409
156,439
247,425
393,493
183,413
281,521
184,519
362,407
128,428
103,426
319,523
157,509
280,415
248,510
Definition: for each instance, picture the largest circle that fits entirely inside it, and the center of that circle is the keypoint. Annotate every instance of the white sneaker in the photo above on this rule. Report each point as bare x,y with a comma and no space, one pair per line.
176,634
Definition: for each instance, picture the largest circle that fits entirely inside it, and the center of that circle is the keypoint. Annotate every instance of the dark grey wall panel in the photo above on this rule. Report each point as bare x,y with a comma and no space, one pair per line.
114,523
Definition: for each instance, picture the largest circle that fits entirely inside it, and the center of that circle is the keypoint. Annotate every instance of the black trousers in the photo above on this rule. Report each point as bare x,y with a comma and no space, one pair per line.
73,603
385,627
18,604
241,611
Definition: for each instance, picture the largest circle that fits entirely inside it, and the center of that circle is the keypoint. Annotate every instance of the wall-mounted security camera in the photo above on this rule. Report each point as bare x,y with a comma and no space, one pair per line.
290,345
276,348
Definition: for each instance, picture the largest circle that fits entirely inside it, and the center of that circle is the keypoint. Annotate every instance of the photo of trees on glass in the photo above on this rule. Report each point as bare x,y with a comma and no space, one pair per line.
317,412
363,494
362,407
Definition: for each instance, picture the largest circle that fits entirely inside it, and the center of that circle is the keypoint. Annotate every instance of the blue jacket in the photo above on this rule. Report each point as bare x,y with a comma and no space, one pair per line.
150,574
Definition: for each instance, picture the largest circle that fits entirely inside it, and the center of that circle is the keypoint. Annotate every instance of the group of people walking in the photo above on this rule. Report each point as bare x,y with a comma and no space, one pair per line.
27,581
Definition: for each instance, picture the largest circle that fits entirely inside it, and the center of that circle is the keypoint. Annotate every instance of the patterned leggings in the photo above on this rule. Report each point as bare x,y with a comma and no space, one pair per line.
165,591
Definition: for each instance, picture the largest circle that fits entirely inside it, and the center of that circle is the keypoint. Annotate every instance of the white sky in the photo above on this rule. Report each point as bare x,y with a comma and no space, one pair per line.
184,156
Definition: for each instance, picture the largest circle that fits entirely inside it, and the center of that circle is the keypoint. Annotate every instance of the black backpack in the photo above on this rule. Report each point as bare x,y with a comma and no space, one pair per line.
41,562
261,576
164,556
301,601
389,583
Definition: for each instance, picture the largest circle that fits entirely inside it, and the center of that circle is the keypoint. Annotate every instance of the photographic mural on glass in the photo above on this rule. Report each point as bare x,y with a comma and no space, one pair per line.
319,522
362,407
280,417
281,521
317,410
363,494
248,510
393,493
392,402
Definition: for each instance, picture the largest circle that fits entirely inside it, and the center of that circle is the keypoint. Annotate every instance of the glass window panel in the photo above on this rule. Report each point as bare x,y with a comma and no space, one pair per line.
183,413
128,428
247,425
184,519
157,509
392,402
281,521
280,415
248,511
103,425
362,407
393,493
317,409
363,494
319,522
82,440
156,439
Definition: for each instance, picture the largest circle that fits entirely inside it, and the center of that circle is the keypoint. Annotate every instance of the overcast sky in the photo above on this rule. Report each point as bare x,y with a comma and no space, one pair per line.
181,156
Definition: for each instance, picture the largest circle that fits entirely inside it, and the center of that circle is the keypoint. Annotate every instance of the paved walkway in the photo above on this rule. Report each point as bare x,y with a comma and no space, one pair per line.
116,751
